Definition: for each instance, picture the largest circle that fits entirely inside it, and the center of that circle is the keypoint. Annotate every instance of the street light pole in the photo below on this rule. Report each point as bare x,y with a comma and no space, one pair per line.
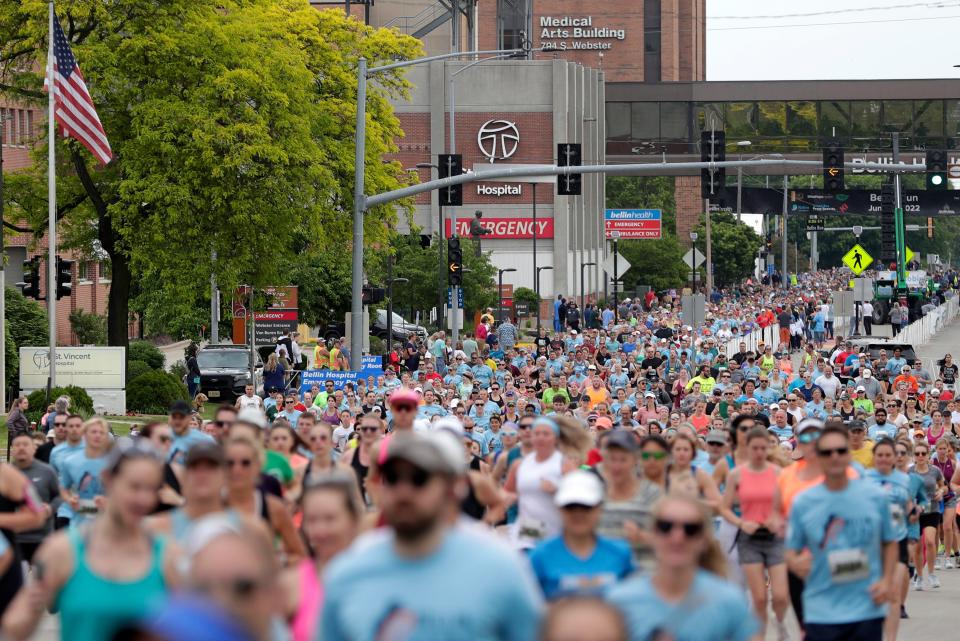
500,273
536,284
360,201
583,300
390,282
783,243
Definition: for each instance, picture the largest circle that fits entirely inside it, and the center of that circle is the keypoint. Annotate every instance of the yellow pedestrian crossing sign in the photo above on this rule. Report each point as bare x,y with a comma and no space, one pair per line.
908,255
857,259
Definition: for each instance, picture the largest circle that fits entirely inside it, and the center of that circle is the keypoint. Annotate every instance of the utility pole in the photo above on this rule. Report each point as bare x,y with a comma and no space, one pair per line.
616,256
783,241
709,250
898,224
3,278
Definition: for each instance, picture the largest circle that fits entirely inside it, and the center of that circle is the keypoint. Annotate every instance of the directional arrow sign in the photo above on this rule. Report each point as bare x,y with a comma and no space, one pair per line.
454,267
908,255
833,171
693,255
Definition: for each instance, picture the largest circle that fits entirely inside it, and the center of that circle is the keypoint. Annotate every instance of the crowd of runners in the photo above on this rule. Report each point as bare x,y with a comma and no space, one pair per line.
627,481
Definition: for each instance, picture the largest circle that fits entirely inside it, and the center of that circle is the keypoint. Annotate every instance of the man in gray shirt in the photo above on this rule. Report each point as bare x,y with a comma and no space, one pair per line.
23,450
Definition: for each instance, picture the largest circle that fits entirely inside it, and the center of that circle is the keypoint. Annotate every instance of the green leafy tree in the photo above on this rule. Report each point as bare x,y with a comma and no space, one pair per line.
420,267
91,329
657,263
232,124
734,248
26,326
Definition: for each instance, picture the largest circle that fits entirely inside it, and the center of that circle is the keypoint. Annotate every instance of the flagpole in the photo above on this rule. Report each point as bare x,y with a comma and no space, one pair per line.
51,209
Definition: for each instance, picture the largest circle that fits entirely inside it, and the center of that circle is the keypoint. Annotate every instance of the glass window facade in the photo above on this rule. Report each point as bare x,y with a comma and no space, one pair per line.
782,126
651,40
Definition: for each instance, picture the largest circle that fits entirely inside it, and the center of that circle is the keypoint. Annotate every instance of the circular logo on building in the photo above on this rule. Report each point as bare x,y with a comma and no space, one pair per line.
498,139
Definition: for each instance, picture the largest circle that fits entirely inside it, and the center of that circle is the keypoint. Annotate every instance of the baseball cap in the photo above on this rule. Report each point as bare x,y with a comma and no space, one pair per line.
716,436
621,439
856,426
252,416
205,451
605,423
861,388
935,392
181,407
579,488
435,452
404,397
808,424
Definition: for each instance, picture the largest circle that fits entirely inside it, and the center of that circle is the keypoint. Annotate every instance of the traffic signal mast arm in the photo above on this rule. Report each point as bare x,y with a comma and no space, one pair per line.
631,169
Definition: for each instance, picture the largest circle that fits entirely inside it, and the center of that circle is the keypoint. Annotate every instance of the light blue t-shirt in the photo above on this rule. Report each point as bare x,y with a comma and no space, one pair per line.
82,476
182,443
472,588
562,573
896,487
714,610
57,456
845,531
876,431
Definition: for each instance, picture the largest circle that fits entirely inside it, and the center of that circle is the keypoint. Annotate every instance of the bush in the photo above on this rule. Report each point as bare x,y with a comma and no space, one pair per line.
135,369
146,352
153,392
179,369
91,329
80,401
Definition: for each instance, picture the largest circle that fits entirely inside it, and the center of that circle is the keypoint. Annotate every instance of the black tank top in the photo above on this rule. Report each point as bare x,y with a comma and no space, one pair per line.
12,579
361,471
470,505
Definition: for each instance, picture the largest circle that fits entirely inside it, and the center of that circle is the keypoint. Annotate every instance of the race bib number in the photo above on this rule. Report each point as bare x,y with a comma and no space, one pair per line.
530,531
896,515
848,566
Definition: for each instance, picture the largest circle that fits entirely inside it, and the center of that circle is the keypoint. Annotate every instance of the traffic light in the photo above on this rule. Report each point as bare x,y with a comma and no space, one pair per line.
936,169
64,277
569,155
454,262
888,230
30,286
450,165
372,295
713,148
833,166
929,227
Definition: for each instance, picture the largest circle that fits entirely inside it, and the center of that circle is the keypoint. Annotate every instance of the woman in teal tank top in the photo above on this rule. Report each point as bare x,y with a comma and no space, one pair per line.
109,572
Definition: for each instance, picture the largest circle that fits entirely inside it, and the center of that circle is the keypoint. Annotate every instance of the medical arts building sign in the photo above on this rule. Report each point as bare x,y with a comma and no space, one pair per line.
565,33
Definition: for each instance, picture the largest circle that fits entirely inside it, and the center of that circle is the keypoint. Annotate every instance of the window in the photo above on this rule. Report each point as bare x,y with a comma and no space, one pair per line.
865,125
618,120
85,270
835,117
651,41
772,118
645,121
674,119
927,120
106,270
511,22
741,120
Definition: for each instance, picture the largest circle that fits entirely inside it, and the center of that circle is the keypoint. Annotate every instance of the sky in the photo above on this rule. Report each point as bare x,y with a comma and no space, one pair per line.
832,39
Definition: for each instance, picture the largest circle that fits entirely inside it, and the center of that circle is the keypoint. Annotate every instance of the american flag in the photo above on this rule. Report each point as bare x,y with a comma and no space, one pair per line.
73,107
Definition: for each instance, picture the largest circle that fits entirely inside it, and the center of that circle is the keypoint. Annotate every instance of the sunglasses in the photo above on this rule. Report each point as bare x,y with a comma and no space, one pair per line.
809,436
901,452
920,453
834,451
240,588
416,477
656,456
369,428
690,530
404,408
242,462
60,424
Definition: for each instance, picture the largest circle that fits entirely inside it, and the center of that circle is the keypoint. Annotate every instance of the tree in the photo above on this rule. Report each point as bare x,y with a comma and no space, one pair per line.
657,263
232,124
91,329
734,248
420,267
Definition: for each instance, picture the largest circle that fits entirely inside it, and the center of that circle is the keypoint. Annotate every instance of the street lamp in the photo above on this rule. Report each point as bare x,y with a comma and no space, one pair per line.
536,284
390,282
359,198
500,273
583,300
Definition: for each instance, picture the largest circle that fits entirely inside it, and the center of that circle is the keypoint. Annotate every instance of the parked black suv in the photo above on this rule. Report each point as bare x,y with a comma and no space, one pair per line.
225,371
